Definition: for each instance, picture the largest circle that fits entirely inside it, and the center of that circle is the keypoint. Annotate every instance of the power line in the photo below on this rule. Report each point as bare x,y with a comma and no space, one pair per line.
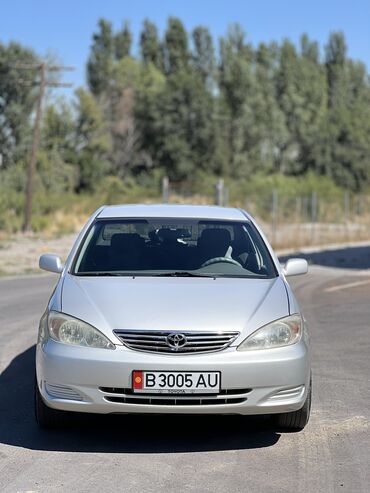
35,66
43,69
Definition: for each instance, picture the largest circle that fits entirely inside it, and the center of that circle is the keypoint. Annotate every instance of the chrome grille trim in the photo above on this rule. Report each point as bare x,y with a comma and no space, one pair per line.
127,396
155,341
174,401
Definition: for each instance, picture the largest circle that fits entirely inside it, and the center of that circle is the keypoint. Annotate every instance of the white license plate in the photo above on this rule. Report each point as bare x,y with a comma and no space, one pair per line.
176,382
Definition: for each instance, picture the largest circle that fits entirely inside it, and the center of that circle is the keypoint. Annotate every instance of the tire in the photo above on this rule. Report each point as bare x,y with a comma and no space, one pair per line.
296,420
46,417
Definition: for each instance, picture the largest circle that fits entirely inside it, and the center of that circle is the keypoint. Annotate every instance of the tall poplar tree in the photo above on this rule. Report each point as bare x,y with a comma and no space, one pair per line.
150,45
122,42
236,88
176,49
101,57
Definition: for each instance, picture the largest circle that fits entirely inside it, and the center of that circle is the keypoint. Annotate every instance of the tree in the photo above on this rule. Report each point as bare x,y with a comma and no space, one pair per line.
57,158
267,133
58,128
150,46
236,83
309,49
204,55
345,139
92,142
301,94
17,102
100,61
187,126
277,108
122,42
149,114
176,52
335,60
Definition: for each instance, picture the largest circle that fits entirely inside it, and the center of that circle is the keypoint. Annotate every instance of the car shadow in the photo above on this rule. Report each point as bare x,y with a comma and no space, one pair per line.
120,433
344,258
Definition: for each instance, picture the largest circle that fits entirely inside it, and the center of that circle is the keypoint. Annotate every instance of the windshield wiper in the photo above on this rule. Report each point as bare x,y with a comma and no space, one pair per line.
118,274
184,273
95,274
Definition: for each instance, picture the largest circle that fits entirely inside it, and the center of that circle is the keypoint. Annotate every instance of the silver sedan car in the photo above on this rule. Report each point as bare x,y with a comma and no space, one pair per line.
172,309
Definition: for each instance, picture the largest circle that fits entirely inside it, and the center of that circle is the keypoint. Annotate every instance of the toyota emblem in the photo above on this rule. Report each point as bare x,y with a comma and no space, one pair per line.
176,341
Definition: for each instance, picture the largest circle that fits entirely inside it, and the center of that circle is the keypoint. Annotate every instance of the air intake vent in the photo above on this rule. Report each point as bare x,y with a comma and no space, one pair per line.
62,392
176,342
288,394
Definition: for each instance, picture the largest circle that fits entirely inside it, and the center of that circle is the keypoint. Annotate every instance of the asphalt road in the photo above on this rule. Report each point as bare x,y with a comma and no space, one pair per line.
217,454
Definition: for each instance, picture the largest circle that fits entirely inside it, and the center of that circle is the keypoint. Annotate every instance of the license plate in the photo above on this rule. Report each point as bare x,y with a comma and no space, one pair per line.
176,382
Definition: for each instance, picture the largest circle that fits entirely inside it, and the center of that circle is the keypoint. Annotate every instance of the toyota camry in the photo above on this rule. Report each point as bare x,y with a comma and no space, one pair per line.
172,309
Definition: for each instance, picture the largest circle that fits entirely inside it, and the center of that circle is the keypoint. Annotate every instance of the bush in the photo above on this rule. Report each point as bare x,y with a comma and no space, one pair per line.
57,211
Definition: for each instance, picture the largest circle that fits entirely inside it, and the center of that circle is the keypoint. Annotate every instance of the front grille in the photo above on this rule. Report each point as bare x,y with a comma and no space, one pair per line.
175,342
127,396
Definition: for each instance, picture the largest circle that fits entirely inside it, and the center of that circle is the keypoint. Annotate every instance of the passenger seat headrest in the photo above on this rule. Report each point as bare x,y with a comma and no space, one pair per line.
126,241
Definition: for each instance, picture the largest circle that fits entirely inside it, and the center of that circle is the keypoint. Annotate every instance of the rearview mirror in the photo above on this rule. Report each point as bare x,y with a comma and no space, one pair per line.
51,263
295,267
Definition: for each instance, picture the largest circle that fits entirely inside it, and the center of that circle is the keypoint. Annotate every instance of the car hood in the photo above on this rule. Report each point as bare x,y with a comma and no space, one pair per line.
175,303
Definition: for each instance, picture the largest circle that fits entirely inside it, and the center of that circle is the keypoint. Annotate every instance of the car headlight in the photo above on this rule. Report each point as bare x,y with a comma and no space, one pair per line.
282,332
70,330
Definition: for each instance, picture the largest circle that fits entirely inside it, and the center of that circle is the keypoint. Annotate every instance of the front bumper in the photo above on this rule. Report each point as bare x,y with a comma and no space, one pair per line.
264,381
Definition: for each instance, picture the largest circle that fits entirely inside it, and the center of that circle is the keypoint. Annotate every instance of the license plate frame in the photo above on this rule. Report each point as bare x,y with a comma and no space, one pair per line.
197,387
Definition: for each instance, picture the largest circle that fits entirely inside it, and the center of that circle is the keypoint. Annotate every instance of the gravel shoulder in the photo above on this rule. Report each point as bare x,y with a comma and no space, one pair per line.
20,254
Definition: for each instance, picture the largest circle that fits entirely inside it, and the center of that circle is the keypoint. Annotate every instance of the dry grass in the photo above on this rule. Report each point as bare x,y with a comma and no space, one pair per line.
20,253
298,235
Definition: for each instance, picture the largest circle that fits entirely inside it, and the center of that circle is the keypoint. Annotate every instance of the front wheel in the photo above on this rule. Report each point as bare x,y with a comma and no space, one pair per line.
46,417
296,420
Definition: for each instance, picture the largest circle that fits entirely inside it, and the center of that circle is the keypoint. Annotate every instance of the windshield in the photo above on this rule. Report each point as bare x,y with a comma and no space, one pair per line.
173,247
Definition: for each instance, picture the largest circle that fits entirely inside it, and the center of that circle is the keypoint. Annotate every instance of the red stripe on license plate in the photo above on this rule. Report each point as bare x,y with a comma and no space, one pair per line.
137,380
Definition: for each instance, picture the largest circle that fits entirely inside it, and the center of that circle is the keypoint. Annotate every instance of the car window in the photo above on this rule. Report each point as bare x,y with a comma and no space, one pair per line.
159,246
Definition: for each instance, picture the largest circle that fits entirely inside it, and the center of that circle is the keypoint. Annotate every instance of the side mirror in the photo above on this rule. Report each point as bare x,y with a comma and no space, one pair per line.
51,263
295,267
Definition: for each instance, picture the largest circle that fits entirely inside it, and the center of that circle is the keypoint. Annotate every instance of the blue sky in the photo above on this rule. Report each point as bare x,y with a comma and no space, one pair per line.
65,27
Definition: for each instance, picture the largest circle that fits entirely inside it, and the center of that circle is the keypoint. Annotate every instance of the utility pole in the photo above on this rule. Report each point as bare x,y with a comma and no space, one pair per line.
43,69
35,147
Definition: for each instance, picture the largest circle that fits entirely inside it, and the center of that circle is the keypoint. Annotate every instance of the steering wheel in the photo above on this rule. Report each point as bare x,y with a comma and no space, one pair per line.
216,260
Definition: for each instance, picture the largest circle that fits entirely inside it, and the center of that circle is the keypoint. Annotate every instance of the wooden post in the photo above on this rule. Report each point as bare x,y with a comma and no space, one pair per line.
35,147
274,216
220,192
313,216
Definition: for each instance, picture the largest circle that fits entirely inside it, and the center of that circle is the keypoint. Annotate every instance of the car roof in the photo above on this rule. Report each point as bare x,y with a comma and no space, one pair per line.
173,211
